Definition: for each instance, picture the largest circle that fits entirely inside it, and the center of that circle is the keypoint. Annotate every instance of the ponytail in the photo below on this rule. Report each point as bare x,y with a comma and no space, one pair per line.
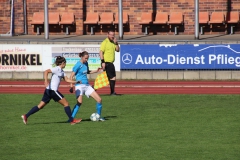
82,54
59,60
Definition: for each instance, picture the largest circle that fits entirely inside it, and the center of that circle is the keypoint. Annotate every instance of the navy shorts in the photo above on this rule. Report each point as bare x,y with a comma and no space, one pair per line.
50,94
110,70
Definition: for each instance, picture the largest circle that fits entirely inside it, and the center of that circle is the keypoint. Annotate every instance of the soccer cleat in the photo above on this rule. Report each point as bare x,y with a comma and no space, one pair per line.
75,121
101,119
24,117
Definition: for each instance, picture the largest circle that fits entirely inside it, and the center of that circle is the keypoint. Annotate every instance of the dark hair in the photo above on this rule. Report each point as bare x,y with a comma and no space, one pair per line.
82,54
110,31
59,60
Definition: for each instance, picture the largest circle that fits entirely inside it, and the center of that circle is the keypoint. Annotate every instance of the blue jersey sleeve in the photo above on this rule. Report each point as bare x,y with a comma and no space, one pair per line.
76,67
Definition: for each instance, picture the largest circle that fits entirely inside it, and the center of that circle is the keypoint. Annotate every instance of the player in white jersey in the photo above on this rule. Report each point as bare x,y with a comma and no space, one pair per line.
51,91
80,71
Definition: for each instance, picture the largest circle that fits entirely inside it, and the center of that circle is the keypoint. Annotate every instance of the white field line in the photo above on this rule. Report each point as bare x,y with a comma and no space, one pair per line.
143,86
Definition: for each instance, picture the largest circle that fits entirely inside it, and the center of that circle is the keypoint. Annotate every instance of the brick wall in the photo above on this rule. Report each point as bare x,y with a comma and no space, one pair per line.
4,16
133,7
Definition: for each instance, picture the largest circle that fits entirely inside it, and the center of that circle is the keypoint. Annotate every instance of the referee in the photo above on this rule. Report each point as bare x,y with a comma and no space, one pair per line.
107,56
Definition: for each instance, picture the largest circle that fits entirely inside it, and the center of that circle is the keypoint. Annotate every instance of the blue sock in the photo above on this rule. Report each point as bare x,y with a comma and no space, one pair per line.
68,112
75,110
99,108
32,111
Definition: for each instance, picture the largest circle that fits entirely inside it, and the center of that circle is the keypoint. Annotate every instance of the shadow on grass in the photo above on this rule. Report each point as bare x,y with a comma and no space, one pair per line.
111,95
83,120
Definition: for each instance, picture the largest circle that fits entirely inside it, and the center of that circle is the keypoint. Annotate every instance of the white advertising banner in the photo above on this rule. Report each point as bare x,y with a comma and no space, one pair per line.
71,53
29,57
21,58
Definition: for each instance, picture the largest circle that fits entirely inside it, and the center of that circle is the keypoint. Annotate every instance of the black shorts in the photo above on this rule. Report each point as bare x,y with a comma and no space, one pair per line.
110,70
50,94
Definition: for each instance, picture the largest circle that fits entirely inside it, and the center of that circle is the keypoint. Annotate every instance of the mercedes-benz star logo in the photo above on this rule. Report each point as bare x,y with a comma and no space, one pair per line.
127,58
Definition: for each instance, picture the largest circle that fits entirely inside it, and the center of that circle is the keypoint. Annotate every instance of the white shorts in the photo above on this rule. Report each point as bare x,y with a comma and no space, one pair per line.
83,89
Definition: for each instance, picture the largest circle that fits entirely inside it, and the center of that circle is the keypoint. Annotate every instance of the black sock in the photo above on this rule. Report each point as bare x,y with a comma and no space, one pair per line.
112,86
32,111
69,113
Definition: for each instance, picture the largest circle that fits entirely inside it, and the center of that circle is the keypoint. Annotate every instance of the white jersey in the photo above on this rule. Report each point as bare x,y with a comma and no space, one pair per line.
57,75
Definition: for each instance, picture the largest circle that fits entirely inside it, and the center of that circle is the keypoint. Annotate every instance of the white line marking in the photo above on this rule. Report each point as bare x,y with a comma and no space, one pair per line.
228,46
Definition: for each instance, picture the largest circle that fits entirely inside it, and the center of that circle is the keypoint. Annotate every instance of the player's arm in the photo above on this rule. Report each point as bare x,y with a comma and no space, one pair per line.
116,45
46,72
71,84
73,73
92,71
102,49
70,80
101,54
102,59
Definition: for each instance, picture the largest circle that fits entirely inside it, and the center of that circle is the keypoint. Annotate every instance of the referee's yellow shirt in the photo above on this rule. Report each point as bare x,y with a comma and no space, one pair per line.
108,48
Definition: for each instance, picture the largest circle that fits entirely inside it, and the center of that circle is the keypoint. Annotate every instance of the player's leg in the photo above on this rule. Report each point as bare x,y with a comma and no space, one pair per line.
111,74
79,90
58,97
45,99
67,108
77,106
98,99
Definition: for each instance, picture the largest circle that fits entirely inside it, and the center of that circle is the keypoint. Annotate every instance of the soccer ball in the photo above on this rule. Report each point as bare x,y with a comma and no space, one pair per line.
95,117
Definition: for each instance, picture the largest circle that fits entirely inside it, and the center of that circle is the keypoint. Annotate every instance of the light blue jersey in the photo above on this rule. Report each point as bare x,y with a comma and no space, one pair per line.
81,71
84,88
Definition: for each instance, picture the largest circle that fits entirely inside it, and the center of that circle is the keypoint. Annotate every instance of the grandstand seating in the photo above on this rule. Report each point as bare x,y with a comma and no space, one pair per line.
216,18
38,20
146,20
161,19
106,18
54,18
176,19
173,19
203,20
67,19
91,20
124,18
232,19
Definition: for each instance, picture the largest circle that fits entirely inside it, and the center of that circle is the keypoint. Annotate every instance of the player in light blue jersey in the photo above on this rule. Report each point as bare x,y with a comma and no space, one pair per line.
51,91
80,71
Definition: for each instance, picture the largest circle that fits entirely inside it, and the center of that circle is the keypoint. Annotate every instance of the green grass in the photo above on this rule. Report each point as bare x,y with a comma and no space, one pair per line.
139,127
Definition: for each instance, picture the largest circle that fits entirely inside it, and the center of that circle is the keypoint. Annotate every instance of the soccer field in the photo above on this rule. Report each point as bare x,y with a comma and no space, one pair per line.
166,127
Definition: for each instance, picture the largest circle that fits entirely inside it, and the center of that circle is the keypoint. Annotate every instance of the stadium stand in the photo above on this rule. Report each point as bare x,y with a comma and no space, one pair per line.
175,19
91,20
203,20
232,19
54,18
161,19
146,20
67,19
53,21
216,19
106,18
38,21
124,18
